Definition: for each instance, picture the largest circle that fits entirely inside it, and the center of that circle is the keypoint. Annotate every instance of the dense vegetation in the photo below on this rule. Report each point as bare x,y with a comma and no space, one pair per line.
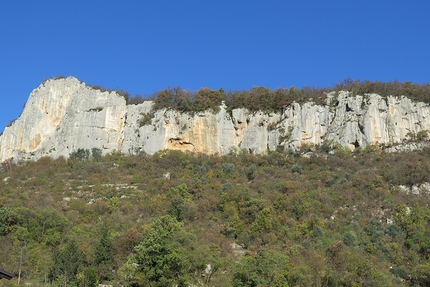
309,218
264,99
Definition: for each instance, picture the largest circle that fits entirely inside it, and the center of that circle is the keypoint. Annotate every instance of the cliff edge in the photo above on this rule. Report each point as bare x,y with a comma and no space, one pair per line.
63,115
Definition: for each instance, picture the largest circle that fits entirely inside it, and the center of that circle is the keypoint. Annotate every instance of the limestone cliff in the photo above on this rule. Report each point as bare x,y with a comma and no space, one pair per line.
63,115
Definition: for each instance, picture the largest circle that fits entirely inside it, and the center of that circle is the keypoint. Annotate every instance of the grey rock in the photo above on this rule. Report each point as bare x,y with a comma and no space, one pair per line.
63,115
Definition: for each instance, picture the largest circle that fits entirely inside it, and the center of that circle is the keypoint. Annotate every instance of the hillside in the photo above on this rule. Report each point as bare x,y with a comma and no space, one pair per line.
64,115
305,218
309,187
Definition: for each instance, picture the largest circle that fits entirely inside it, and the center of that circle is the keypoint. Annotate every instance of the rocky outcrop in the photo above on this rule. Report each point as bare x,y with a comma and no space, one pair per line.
63,115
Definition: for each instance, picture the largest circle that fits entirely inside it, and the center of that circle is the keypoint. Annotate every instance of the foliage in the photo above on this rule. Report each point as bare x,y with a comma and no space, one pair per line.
80,154
417,92
96,154
8,219
145,119
260,98
89,278
53,78
67,262
265,269
279,219
158,258
84,154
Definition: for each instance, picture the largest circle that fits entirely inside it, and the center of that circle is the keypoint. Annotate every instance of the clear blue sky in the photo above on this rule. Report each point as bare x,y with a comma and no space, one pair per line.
144,46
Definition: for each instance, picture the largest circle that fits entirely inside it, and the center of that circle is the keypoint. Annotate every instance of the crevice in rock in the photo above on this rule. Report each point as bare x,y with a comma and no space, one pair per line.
361,127
356,144
386,101
179,144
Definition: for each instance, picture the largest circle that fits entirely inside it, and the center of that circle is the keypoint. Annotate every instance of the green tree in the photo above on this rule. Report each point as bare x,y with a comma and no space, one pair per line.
350,239
102,255
250,172
8,219
96,154
265,269
66,263
159,259
88,278
81,154
413,221
176,208
263,221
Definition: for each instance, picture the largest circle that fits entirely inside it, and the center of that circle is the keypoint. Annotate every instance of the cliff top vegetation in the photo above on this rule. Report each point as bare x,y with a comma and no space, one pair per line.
261,98
265,99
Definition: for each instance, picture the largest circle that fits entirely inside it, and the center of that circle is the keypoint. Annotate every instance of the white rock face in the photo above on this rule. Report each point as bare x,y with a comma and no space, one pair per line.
63,115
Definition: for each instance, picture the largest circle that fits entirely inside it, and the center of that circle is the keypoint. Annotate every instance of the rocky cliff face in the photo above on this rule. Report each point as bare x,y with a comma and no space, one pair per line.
63,115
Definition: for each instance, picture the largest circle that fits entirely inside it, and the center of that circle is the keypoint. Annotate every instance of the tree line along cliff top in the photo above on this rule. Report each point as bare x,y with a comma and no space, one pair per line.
260,98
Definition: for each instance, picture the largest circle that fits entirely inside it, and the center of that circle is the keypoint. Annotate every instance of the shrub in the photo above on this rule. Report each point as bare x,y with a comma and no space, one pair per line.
296,168
145,119
81,154
250,172
96,154
8,219
137,99
228,168
350,239
399,271
422,135
53,78
98,109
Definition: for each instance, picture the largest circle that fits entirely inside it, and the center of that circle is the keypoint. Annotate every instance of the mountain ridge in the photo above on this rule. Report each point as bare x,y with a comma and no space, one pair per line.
63,115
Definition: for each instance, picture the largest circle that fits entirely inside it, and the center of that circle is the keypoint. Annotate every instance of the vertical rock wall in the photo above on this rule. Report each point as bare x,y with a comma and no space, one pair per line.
63,115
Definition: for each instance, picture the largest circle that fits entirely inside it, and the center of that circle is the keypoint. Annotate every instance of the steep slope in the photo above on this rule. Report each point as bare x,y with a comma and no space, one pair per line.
63,115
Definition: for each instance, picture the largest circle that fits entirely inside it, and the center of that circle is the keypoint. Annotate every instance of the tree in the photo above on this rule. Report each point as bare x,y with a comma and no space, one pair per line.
96,154
66,263
207,99
81,154
159,259
87,278
8,219
265,269
176,208
413,222
102,255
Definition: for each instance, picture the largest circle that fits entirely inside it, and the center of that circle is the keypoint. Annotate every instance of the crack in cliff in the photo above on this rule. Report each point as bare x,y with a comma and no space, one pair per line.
360,127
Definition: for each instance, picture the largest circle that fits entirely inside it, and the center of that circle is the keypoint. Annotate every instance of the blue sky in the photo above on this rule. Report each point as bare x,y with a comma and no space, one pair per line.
144,46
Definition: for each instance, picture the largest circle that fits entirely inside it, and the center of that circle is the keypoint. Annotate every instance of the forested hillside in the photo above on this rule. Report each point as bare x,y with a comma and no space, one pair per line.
305,218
